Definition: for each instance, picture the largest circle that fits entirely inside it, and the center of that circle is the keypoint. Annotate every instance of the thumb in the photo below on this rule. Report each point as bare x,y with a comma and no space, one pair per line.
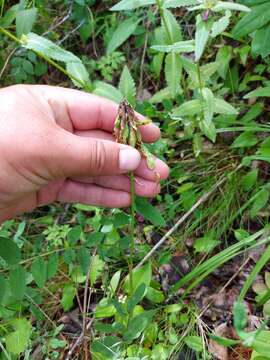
75,155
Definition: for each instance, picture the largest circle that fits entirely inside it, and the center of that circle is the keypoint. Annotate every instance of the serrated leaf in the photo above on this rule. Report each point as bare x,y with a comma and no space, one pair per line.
25,20
206,124
173,73
17,282
222,107
257,18
52,266
150,212
16,342
173,31
221,24
78,72
121,34
9,251
39,272
127,86
260,92
160,96
178,3
178,47
226,5
131,4
189,108
201,37
108,91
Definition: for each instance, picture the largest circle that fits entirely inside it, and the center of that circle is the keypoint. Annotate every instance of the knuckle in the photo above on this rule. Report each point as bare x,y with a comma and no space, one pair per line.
98,156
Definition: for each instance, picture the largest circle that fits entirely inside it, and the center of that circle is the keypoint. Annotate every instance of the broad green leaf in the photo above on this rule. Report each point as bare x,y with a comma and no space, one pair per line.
177,3
224,341
138,325
108,91
222,107
221,24
74,235
97,266
115,281
201,37
48,48
259,203
262,343
150,212
246,139
257,18
17,282
260,92
206,124
178,47
142,275
154,295
121,34
157,63
161,95
78,73
10,16
131,4
16,342
52,266
239,316
39,272
223,58
206,243
25,20
104,309
173,73
189,108
197,144
260,42
3,285
83,258
107,348
9,251
226,5
194,342
69,292
127,86
249,180
173,31
136,297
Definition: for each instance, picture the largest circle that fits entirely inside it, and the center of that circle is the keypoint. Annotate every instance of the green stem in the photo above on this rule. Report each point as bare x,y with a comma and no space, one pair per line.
44,57
132,230
200,87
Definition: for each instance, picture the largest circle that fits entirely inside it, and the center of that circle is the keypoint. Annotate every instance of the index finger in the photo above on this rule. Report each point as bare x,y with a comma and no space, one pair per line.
89,112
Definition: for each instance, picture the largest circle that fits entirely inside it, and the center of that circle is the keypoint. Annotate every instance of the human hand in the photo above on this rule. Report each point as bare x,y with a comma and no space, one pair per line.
56,144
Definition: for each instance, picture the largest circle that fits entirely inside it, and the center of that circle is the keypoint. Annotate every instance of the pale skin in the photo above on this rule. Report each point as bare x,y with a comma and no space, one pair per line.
56,144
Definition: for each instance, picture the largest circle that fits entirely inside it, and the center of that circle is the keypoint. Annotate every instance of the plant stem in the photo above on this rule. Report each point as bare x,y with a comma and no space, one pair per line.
132,230
161,11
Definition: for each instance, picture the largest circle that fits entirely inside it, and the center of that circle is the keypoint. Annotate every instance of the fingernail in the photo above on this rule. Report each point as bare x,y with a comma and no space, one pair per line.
129,159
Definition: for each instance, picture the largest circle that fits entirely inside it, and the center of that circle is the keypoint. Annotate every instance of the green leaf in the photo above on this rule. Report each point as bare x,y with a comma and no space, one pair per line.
221,24
260,92
173,72
259,203
17,282
131,4
246,139
178,47
136,297
161,95
249,180
10,16
154,295
108,91
39,272
121,34
260,43
9,251
178,3
262,343
104,309
138,325
78,73
25,20
226,5
201,37
3,286
52,266
189,108
206,243
224,341
257,18
69,292
115,281
16,342
222,107
194,342
127,86
224,56
171,26
141,275
148,211
206,124
239,316
97,266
